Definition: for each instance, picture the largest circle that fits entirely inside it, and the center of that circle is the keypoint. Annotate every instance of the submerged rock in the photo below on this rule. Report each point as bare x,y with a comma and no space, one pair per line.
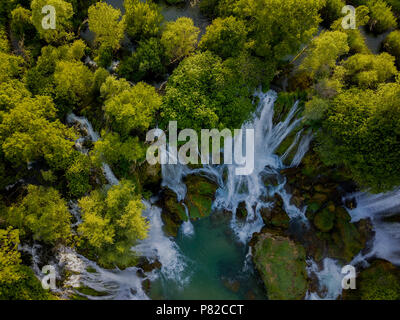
282,266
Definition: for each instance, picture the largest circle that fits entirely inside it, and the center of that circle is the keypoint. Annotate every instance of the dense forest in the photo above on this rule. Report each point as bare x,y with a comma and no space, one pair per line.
129,69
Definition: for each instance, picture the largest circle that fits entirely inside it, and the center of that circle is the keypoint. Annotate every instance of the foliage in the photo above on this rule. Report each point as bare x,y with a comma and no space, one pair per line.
30,132
17,282
117,152
367,70
142,19
78,176
332,11
133,108
392,44
147,62
72,80
43,213
361,132
64,13
179,38
112,223
203,92
11,67
105,22
225,37
21,23
324,52
381,16
276,27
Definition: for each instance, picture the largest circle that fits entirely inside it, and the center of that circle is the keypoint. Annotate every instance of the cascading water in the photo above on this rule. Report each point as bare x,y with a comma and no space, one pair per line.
379,207
125,284
385,244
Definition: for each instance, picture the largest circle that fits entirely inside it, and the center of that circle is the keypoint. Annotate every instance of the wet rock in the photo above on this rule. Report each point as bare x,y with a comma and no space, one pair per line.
199,197
380,281
276,216
241,211
351,203
173,213
324,220
150,176
281,264
148,266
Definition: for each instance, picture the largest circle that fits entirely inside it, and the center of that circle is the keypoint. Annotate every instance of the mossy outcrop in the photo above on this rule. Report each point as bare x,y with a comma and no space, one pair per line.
380,281
199,197
281,264
321,190
276,216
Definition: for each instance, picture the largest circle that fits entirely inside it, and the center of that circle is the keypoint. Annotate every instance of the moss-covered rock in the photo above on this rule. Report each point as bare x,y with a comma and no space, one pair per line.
324,220
381,281
173,213
199,197
281,264
276,216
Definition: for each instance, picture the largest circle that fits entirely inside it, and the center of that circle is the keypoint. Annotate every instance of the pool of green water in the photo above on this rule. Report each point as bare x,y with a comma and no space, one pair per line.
216,266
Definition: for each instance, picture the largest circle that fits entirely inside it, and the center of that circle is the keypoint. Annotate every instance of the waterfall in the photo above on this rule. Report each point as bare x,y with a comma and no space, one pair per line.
251,189
123,284
378,207
94,137
329,279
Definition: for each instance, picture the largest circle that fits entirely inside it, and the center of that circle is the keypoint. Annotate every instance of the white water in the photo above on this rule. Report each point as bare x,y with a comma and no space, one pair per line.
123,284
329,279
377,207
251,189
385,244
87,126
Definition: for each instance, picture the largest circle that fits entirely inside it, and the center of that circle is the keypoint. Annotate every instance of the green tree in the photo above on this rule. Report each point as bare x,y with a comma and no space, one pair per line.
367,70
106,23
43,213
78,176
11,67
279,28
147,62
133,108
17,282
142,18
332,11
225,37
381,16
179,38
72,83
21,24
64,13
324,52
361,132
112,224
30,132
204,93
392,45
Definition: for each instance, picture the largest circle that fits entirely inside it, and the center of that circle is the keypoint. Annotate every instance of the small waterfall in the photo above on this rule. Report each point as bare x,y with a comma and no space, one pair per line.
87,126
251,189
378,207
124,284
329,279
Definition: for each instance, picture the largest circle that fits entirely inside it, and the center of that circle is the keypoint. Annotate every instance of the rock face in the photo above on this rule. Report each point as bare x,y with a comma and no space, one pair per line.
276,216
199,197
331,233
281,264
381,281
